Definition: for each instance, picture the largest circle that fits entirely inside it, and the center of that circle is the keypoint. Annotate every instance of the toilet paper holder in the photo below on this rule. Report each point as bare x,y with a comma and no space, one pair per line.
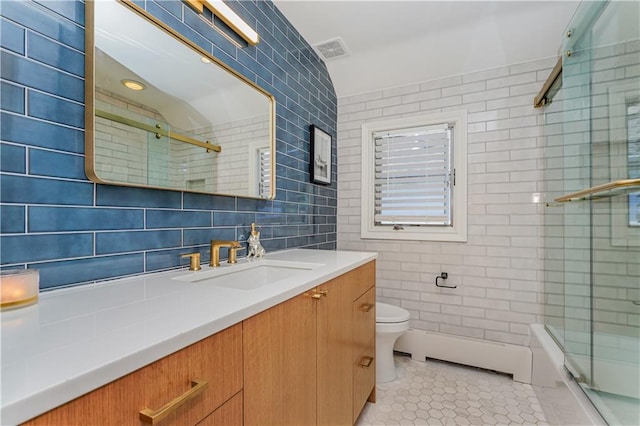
444,276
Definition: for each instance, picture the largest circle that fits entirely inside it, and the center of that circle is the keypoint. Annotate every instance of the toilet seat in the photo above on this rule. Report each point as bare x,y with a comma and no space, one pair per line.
386,313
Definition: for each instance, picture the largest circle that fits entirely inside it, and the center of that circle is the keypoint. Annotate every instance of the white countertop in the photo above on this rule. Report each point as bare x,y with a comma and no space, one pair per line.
77,339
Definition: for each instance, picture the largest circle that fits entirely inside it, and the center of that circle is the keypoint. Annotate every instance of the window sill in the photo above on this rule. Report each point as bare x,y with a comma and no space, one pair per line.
419,234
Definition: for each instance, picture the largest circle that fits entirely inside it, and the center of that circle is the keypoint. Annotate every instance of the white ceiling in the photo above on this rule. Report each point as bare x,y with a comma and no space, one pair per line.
392,43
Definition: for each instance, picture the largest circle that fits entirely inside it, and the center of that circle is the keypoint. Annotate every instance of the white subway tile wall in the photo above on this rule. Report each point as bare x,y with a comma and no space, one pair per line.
498,271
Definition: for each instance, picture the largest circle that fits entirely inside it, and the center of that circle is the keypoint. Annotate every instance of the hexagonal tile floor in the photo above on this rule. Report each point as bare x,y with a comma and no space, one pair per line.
439,393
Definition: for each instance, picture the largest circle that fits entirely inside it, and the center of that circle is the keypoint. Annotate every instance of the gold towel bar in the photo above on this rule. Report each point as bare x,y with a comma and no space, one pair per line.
585,193
157,130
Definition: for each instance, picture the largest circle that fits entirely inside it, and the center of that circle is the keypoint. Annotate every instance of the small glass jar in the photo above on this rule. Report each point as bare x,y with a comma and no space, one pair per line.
18,287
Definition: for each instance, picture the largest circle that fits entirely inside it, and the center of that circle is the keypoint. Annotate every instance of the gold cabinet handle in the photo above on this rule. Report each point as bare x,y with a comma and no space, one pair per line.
366,307
153,417
319,294
365,361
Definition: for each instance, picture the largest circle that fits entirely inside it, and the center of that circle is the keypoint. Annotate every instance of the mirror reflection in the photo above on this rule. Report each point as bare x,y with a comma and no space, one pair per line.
167,115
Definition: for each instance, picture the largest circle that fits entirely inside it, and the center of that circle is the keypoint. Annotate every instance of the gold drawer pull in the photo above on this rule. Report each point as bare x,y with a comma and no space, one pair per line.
366,307
154,417
366,361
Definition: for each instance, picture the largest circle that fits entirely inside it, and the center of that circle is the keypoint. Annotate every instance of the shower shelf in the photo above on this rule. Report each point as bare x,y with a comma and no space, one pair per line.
606,190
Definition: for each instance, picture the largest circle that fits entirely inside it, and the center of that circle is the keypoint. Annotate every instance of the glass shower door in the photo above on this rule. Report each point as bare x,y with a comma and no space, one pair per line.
616,246
577,173
601,250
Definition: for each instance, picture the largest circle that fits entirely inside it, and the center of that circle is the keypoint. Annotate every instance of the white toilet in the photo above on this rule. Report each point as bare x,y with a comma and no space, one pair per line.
391,323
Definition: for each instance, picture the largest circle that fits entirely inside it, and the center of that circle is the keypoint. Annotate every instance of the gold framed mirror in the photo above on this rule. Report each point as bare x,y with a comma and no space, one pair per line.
163,113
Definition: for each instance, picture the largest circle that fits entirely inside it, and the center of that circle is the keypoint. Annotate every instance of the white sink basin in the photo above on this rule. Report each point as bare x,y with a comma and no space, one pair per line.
249,275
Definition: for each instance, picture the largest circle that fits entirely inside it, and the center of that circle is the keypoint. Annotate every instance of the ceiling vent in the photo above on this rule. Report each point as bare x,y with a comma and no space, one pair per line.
331,49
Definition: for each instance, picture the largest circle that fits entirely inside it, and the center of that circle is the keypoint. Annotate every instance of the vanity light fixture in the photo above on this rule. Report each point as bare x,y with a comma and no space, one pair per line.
228,16
133,85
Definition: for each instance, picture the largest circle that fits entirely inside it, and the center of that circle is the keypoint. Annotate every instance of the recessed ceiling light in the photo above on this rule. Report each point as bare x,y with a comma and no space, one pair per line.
205,60
133,85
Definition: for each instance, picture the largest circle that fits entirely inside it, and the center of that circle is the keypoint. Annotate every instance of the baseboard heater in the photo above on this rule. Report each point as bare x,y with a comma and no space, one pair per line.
502,357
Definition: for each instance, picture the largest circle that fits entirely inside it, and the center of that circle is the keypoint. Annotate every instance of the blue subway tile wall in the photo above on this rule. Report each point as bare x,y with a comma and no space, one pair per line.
57,219
11,36
11,98
57,55
12,158
56,164
54,219
26,130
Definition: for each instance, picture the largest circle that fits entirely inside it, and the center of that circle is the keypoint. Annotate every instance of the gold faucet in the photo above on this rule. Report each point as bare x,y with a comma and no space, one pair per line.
215,251
194,264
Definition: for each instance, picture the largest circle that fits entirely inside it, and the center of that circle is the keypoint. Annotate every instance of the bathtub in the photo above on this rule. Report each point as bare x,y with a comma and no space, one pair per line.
561,398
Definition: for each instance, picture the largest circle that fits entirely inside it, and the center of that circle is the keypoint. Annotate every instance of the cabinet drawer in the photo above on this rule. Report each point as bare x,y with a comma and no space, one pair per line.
364,320
216,360
363,278
364,345
230,414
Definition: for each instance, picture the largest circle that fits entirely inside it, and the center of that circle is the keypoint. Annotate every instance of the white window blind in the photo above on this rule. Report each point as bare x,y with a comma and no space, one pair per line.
264,172
414,176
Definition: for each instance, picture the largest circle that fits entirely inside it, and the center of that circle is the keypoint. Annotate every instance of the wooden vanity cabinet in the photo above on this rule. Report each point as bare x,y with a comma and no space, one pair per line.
300,356
216,360
301,362
230,414
364,337
362,279
334,343
280,364
364,350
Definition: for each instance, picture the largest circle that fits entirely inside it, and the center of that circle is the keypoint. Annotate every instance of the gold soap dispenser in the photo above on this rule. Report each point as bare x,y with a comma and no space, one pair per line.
255,248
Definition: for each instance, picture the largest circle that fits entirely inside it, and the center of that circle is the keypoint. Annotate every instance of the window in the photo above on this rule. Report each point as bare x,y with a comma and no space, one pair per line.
264,172
414,178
